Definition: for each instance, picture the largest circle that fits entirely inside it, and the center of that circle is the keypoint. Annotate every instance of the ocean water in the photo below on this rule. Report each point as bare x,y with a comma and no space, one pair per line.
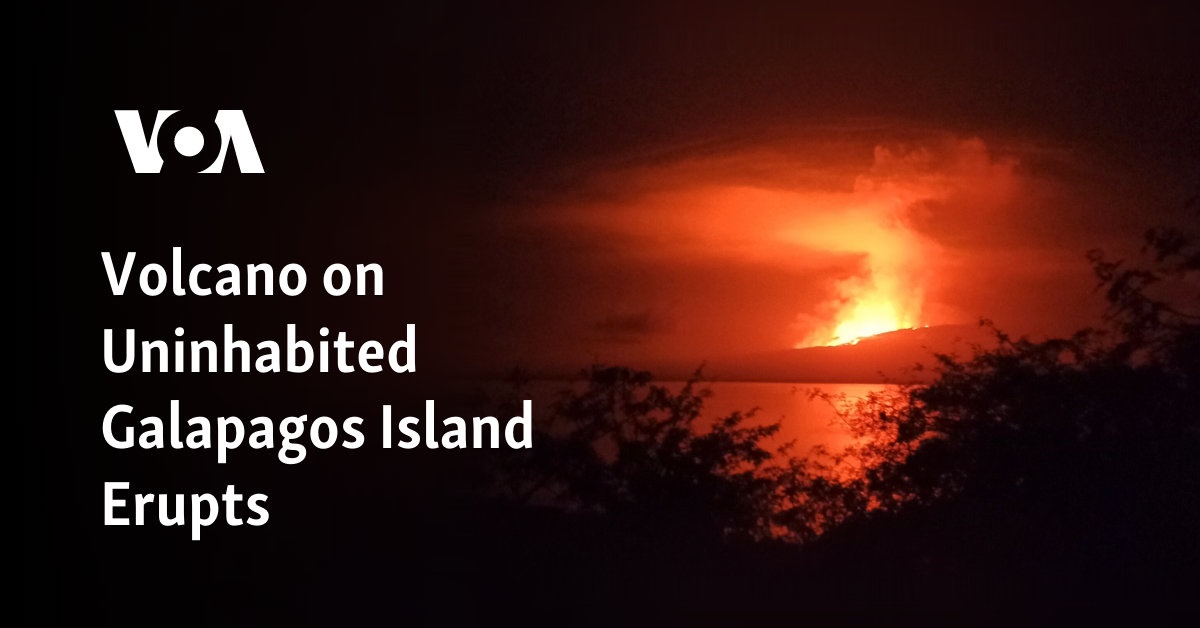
804,420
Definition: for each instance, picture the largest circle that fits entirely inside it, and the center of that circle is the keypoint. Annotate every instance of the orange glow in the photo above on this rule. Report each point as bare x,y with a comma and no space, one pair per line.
887,294
856,237
869,317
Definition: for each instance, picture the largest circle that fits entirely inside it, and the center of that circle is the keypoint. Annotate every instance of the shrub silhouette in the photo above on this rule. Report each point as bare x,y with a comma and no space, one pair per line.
1101,422
1098,429
631,449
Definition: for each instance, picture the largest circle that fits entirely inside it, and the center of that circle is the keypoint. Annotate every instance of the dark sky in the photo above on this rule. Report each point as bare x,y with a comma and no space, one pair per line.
633,181
545,184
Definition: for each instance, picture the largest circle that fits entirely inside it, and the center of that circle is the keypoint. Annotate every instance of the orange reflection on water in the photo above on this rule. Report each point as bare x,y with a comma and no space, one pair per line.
804,421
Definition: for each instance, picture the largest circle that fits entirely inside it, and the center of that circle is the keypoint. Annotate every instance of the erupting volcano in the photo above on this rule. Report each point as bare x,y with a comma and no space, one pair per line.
801,240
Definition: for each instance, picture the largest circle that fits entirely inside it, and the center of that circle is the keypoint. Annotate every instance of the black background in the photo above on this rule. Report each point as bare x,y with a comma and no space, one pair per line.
394,135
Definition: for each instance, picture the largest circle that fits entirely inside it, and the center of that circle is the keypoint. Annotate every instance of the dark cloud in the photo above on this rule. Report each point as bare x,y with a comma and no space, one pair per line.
632,326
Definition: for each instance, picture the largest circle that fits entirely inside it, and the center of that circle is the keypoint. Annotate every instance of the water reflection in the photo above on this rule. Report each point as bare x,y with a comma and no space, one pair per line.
804,420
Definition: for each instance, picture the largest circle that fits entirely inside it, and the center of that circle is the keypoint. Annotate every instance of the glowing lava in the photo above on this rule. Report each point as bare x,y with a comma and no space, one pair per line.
886,298
869,318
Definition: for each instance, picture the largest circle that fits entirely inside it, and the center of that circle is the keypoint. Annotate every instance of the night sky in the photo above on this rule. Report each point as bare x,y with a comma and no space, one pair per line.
547,185
642,182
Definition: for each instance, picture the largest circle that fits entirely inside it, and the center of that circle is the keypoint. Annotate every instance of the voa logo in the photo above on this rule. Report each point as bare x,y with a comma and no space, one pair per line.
183,141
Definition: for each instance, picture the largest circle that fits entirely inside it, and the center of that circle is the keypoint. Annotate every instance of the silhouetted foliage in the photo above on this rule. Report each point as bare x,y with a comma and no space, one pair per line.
1085,426
630,448
1104,415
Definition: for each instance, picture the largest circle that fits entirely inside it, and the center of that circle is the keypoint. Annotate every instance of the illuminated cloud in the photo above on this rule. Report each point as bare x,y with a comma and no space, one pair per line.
865,223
